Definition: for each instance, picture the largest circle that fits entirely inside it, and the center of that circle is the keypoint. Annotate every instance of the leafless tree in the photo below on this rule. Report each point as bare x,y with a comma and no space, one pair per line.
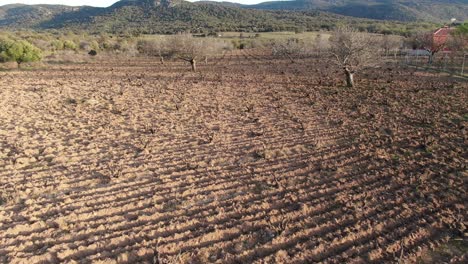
288,48
320,44
426,41
153,47
457,44
391,43
353,50
190,49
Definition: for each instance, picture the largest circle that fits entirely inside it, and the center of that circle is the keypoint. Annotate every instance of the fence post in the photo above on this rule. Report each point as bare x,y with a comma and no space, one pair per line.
463,65
445,61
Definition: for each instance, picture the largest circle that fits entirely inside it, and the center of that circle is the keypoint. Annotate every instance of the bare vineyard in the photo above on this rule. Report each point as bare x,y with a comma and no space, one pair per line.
249,160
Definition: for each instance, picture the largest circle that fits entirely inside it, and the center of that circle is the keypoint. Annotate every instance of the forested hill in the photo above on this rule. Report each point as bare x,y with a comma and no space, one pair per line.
170,16
400,10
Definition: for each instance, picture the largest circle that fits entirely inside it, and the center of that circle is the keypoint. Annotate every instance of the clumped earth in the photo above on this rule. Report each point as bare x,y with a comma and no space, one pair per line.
250,160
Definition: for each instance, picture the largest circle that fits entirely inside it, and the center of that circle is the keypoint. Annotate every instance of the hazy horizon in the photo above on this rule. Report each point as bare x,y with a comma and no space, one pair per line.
96,3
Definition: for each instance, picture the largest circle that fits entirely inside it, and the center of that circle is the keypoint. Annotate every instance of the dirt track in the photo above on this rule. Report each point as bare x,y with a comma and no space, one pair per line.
250,160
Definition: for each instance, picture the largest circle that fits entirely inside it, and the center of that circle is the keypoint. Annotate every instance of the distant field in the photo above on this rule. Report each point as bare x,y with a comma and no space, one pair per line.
275,35
263,35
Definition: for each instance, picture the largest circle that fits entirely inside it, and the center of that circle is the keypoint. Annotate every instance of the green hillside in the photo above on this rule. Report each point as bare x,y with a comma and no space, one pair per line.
170,16
400,10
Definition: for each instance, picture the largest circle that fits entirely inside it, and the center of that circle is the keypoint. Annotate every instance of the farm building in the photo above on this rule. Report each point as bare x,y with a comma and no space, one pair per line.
441,36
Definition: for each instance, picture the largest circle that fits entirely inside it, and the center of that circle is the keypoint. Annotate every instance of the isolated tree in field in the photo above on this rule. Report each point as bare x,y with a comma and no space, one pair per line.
57,44
427,41
70,45
153,47
353,50
288,48
320,44
19,51
215,47
187,48
190,49
391,43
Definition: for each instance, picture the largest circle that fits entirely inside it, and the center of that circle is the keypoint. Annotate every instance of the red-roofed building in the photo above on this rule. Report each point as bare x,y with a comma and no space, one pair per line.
440,38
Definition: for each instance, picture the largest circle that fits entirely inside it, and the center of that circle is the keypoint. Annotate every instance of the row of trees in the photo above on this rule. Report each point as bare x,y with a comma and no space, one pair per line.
29,46
18,51
50,42
455,42
348,47
353,50
183,47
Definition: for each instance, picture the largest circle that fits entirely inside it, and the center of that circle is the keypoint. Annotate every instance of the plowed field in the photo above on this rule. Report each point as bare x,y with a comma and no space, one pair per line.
249,160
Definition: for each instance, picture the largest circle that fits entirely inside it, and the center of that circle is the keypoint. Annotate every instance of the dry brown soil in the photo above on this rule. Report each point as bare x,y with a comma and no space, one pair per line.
250,160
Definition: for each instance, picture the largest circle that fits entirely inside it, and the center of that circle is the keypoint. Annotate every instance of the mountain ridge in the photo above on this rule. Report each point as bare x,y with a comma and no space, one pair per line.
399,10
157,16
170,16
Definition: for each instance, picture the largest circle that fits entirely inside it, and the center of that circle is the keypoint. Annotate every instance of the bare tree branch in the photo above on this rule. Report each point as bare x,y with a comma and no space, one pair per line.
353,50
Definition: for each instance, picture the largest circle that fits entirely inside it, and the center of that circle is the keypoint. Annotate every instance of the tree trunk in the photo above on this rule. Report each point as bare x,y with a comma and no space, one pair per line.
206,59
431,58
161,58
193,63
349,77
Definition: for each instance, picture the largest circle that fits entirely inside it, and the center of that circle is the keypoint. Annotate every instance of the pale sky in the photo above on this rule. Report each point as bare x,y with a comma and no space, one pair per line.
101,3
